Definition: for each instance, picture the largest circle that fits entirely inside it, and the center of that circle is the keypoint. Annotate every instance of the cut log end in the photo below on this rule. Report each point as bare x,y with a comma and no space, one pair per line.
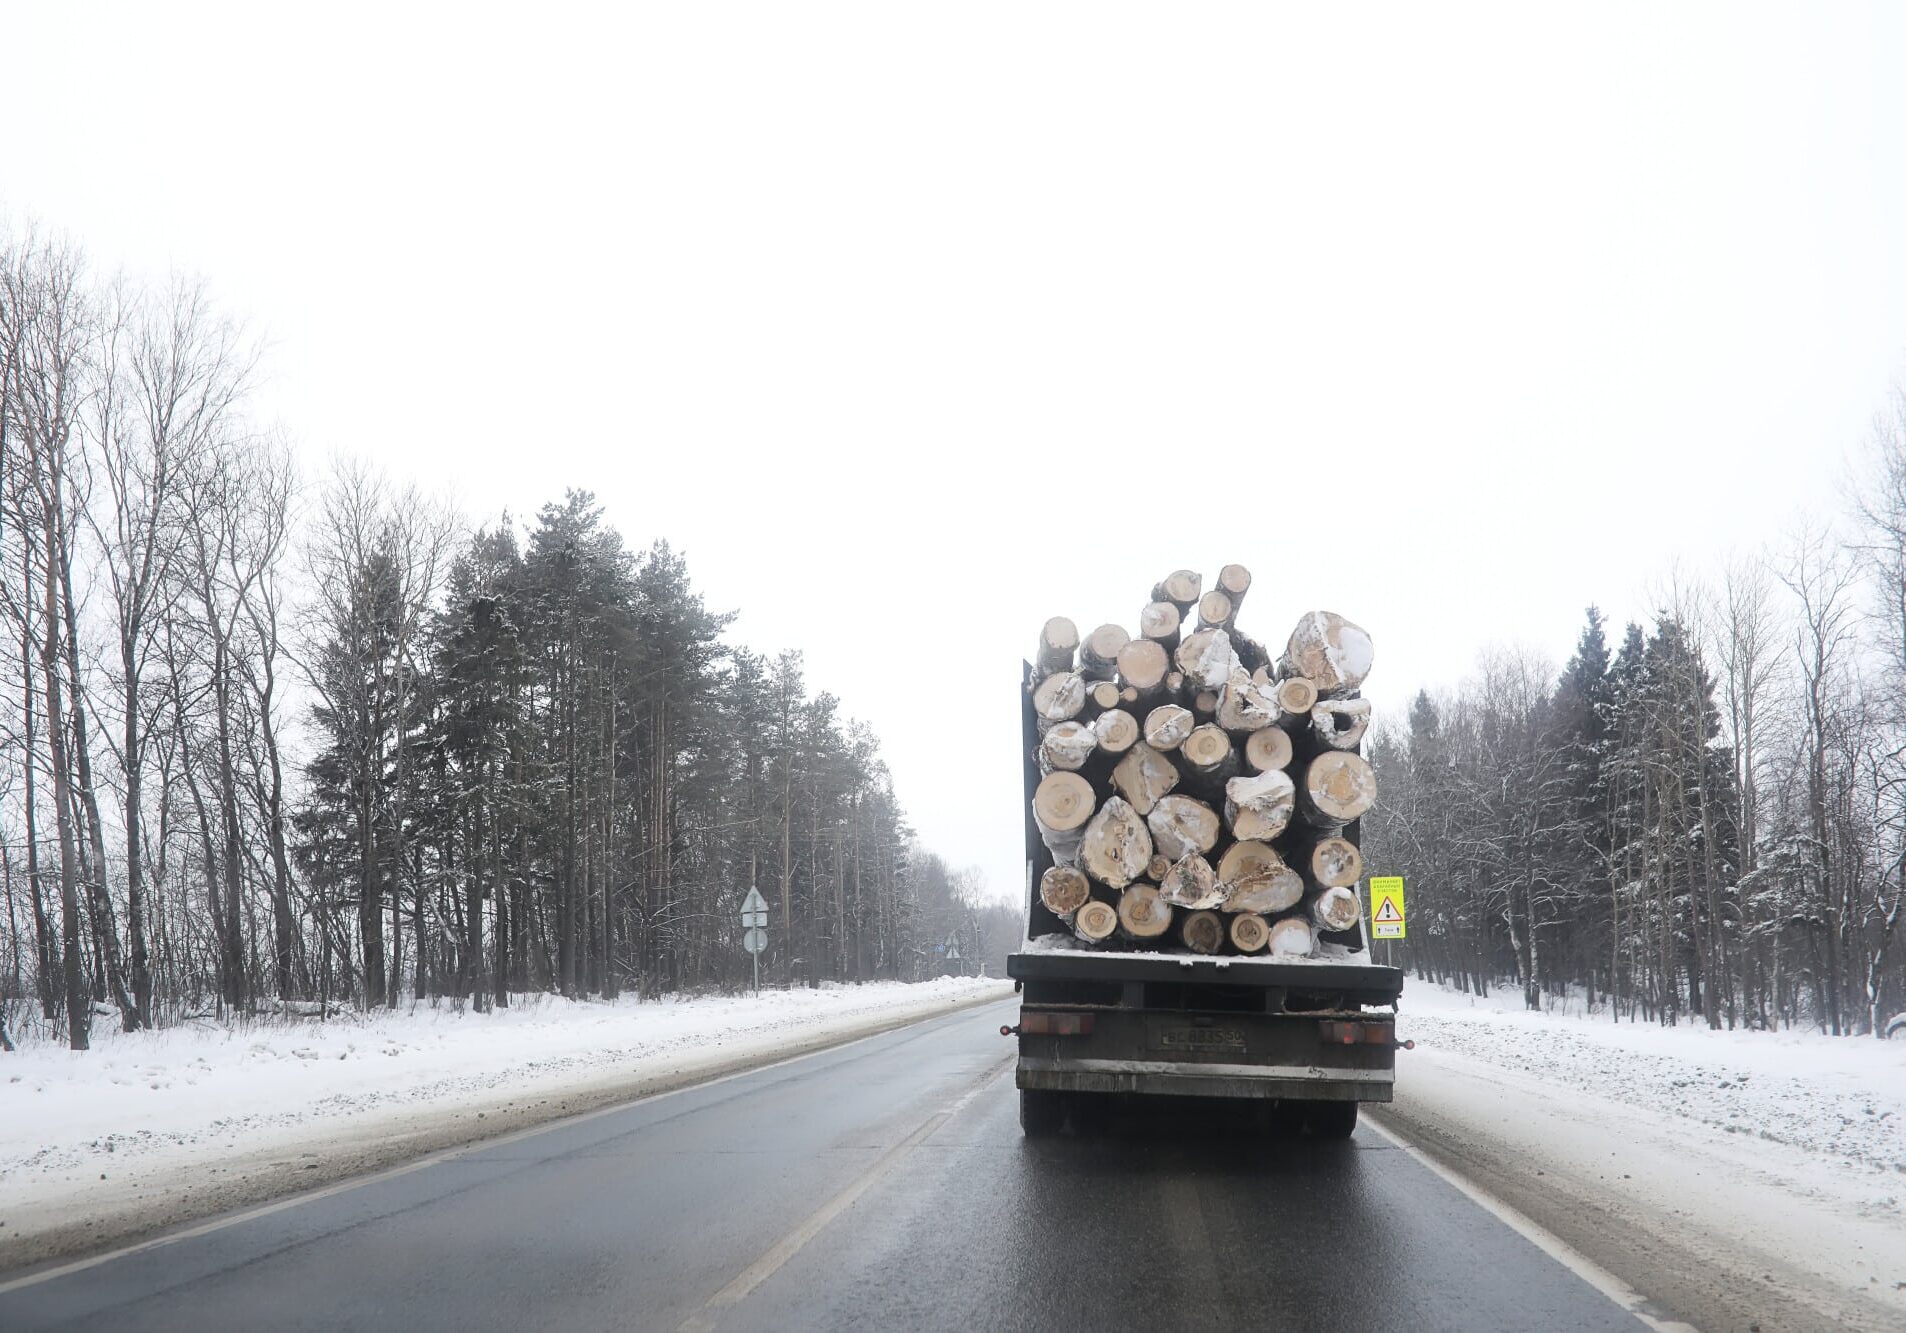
1215,611
1142,665
1268,751
1142,914
1340,723
1291,937
1330,651
1064,890
1117,847
1181,587
1167,726
1160,622
1255,879
1336,909
1095,921
1337,788
1261,806
1202,932
1206,658
1066,748
1098,652
1192,883
1234,581
1115,731
1063,802
1336,862
1183,824
1249,932
1144,777
1059,697
1296,695
1058,641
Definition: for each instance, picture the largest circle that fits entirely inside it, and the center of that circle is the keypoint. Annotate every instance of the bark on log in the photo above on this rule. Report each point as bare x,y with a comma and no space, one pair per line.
1064,890
1268,750
1206,658
1062,805
1142,914
1202,932
1142,665
1098,652
1249,932
1244,705
1259,807
1181,825
1336,909
1058,641
1058,698
1207,759
1117,847
1291,937
1332,862
1066,748
1182,588
1330,651
1336,788
1099,696
1143,776
1339,724
1255,879
1296,696
1253,656
1166,727
1095,922
1234,581
1115,731
1161,623
1191,883
1176,690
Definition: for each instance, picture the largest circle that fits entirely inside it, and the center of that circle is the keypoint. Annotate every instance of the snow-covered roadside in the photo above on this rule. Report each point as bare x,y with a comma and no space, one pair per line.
1738,1178
150,1129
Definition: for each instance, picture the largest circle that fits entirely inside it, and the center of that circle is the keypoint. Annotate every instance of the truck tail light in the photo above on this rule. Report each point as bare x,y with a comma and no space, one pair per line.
1034,1023
1352,1034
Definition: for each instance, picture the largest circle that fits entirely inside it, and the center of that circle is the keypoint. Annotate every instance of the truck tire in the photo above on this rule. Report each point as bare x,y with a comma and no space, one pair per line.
1041,1114
1331,1120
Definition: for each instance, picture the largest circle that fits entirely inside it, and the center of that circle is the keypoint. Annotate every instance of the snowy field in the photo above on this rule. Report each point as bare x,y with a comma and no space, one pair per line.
1766,1170
155,1118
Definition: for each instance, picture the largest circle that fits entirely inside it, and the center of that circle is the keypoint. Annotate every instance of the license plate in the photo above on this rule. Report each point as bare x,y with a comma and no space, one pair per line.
1201,1039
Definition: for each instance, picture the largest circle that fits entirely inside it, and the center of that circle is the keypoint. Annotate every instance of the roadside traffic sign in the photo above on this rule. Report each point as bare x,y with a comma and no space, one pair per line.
754,941
1386,907
754,930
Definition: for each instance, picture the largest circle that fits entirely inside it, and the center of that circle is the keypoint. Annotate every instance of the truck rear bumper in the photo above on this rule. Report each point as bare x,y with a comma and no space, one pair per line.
1205,1079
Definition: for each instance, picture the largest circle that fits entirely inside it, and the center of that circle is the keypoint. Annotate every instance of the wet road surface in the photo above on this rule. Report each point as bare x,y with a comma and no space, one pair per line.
880,1185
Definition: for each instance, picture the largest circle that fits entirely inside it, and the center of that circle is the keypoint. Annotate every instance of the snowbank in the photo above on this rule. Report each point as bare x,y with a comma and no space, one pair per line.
1736,1176
85,1136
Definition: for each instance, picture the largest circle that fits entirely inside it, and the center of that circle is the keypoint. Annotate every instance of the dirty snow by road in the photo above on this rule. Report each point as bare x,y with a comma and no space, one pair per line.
155,1127
1742,1177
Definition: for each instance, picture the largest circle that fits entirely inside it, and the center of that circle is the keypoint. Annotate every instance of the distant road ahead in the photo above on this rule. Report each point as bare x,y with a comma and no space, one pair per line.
882,1185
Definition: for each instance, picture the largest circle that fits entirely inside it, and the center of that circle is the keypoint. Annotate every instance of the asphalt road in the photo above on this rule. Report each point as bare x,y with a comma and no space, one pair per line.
881,1185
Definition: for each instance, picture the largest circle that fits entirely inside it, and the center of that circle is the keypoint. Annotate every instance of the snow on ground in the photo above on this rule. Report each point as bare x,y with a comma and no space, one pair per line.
145,1112
1746,1176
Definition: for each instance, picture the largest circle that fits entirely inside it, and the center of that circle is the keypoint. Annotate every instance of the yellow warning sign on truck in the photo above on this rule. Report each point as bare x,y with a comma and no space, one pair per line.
1386,907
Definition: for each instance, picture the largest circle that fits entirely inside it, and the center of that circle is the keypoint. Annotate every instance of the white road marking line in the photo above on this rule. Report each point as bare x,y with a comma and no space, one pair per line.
1546,1241
481,1145
778,1254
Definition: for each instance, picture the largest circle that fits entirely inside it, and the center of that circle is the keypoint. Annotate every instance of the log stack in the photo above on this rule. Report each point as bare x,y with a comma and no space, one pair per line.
1195,793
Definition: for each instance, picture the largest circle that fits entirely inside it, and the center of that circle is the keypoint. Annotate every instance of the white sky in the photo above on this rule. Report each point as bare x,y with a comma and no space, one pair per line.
913,327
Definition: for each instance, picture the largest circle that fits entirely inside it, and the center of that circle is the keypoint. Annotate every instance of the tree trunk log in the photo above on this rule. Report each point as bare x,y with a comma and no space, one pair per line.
1215,611
1161,623
1330,652
1291,937
1142,914
1192,883
1249,932
1234,581
1336,909
1058,641
1207,759
1331,862
1117,847
1259,807
1255,879
1066,748
1202,932
1160,866
1268,751
1098,653
1142,665
1144,776
1339,724
1061,806
1115,731
1244,705
1167,726
1204,704
1206,658
1064,890
1058,698
1296,696
1336,788
1099,696
1095,921
1182,588
1181,825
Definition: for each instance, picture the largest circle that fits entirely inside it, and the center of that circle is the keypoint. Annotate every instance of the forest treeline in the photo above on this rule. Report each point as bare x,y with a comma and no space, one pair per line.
1704,819
271,744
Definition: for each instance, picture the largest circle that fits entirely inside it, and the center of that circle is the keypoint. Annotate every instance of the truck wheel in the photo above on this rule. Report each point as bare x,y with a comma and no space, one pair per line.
1041,1113
1331,1120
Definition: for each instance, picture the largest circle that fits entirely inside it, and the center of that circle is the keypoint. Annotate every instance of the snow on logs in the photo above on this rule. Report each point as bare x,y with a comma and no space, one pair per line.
1198,792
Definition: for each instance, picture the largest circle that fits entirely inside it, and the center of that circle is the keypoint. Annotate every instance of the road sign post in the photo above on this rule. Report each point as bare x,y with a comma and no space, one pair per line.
754,930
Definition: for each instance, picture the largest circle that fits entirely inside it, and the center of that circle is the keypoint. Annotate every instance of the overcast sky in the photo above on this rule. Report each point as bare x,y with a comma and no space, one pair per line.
915,325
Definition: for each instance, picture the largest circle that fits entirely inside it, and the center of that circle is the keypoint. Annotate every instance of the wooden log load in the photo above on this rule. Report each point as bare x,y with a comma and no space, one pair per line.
1095,922
1183,824
1066,748
1336,909
1249,932
1064,890
1259,806
1144,777
1337,787
1191,882
1062,805
1330,652
1098,653
1116,847
1202,932
1255,879
1142,914
1058,698
1167,726
1058,641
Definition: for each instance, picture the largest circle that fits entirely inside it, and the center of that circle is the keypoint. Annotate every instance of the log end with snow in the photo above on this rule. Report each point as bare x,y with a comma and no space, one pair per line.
1058,641
1116,848
1206,658
1183,824
1336,909
1255,879
1066,748
1062,804
1191,883
1095,921
1058,698
1167,726
1064,890
1160,622
1115,731
1142,914
1261,806
1144,777
1330,651
1340,723
1182,588
1249,932
1245,705
1268,750
1291,937
1337,787
1098,652
1335,862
